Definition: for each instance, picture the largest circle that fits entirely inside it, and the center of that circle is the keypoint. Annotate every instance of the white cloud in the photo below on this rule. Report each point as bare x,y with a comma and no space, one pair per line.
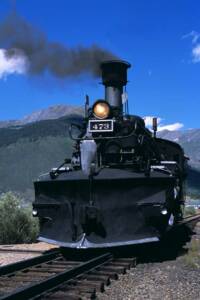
194,35
171,127
196,54
17,64
196,45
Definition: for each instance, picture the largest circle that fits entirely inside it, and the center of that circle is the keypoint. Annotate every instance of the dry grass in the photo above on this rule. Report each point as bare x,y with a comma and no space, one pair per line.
192,258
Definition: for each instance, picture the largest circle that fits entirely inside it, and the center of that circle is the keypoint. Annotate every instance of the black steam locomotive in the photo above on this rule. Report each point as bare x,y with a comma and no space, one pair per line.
122,186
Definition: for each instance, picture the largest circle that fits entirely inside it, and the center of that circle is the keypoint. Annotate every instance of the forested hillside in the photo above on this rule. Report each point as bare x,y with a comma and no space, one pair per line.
29,150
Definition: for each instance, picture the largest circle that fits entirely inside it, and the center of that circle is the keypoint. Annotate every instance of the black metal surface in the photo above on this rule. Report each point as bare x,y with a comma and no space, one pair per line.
45,285
131,197
28,263
114,77
114,72
128,180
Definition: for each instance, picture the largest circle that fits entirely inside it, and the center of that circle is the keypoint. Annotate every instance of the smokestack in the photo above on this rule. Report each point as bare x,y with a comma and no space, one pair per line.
114,77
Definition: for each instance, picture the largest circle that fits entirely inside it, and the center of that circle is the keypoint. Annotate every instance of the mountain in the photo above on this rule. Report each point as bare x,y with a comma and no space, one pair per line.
41,141
52,112
189,140
28,150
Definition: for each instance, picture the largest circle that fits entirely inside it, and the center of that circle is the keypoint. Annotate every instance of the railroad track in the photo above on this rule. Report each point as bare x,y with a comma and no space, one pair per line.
51,276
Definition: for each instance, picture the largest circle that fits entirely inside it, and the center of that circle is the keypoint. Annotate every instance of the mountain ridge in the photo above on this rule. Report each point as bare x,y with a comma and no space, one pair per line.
50,113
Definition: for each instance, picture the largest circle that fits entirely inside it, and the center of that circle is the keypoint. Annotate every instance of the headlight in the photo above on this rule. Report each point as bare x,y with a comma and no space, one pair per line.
101,109
34,212
164,212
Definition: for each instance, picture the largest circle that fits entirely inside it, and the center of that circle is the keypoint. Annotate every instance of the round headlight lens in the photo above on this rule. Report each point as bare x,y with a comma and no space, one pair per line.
101,110
34,212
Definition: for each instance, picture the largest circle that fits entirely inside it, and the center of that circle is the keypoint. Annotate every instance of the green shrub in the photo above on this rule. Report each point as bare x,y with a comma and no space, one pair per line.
16,222
189,211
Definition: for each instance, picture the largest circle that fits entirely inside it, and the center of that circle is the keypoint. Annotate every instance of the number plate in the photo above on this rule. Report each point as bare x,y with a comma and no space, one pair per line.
100,125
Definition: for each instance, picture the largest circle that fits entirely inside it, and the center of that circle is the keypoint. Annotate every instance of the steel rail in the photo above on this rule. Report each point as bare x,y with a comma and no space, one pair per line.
44,286
18,266
10,250
189,219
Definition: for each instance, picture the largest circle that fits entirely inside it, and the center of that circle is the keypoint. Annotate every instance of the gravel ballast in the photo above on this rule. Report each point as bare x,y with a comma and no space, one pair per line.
8,256
156,281
168,280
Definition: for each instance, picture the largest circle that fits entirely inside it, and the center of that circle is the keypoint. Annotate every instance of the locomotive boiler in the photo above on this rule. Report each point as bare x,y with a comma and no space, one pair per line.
123,185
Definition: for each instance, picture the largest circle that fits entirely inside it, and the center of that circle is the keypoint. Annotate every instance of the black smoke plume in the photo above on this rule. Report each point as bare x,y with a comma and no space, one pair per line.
20,38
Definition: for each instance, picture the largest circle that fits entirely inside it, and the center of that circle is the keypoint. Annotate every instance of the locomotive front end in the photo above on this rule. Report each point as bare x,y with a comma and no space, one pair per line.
122,186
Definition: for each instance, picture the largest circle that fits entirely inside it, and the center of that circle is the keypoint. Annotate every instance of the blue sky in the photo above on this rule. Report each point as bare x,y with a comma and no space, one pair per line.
159,38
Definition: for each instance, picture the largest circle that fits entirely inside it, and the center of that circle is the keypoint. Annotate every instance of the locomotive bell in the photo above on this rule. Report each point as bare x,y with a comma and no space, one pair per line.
114,77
